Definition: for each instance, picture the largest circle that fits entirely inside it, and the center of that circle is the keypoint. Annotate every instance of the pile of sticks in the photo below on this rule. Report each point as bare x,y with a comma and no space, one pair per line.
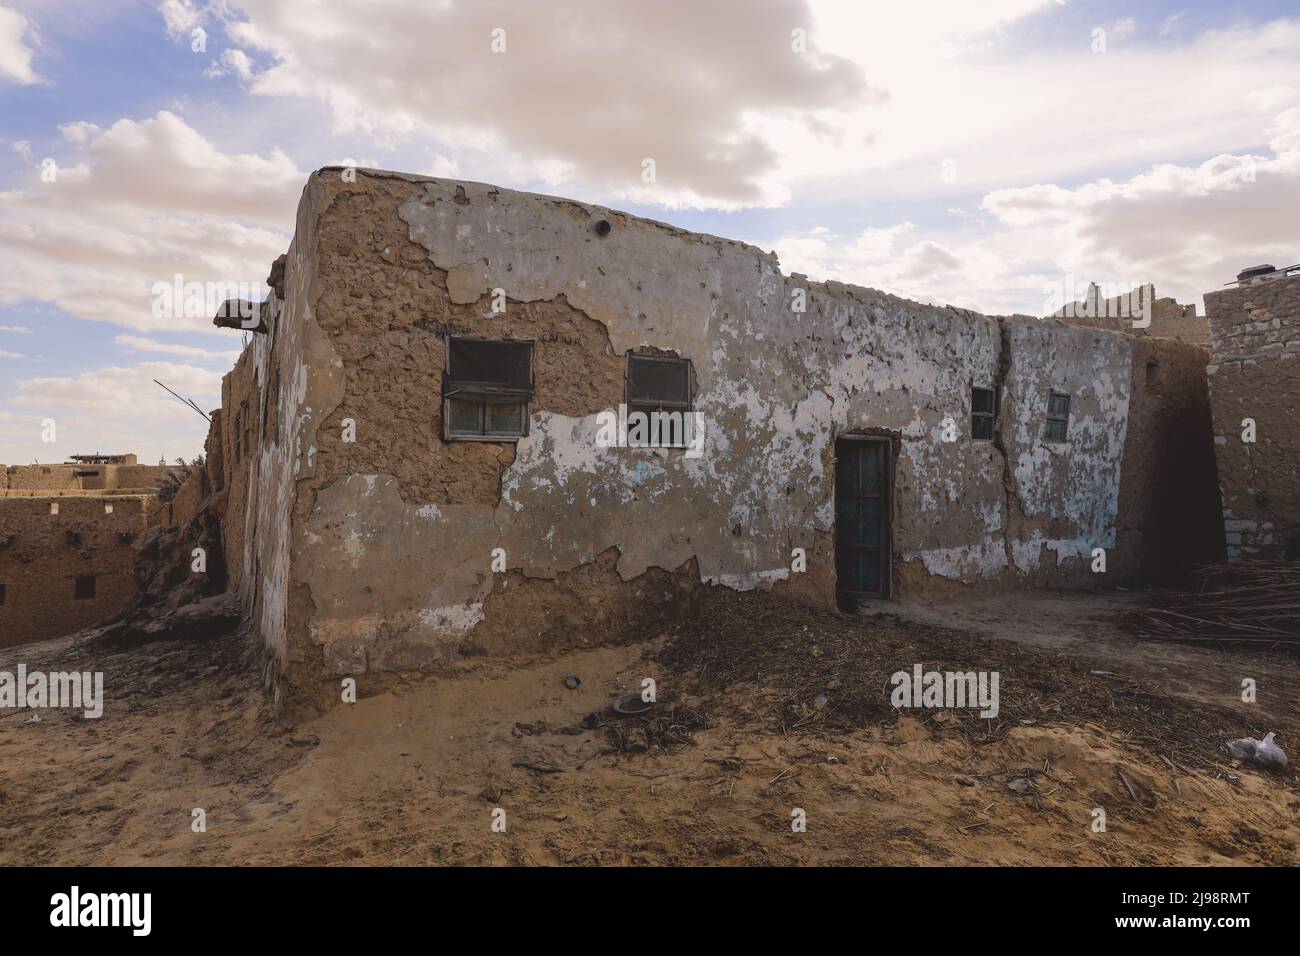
1256,602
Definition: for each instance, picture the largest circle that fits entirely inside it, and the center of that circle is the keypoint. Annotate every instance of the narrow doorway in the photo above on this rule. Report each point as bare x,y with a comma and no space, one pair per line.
862,519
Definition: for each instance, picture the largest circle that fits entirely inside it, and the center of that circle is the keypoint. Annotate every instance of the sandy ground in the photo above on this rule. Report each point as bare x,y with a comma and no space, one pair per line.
413,776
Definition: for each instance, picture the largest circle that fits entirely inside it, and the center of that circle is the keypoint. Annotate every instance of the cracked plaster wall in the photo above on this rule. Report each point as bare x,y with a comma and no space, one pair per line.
388,540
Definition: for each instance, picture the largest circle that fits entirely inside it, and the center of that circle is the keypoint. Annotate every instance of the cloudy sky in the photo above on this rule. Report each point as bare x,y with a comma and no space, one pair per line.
984,154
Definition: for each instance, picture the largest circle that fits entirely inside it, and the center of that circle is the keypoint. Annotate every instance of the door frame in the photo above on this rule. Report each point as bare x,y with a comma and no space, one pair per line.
887,443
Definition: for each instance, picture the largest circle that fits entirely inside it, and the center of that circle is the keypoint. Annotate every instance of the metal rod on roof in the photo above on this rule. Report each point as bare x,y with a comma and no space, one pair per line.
184,401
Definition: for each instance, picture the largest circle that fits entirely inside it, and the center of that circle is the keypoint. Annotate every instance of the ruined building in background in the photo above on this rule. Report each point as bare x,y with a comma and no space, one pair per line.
425,444
1137,311
67,542
1255,393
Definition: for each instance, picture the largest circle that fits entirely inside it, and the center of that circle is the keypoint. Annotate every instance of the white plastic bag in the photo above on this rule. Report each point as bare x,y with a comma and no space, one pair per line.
1264,752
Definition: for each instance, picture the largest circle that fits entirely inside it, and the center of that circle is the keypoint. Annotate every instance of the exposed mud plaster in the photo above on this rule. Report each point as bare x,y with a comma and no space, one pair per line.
310,377
393,535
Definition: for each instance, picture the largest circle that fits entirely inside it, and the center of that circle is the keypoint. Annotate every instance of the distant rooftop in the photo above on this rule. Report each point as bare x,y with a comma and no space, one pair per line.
98,459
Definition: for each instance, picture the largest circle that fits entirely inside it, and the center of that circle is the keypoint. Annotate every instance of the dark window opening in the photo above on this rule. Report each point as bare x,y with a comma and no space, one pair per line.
486,389
1058,416
983,413
656,383
85,587
1153,375
2,594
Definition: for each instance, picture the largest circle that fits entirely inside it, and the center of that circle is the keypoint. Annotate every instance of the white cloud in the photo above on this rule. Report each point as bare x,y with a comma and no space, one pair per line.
1122,29
17,37
11,355
585,89
140,203
138,343
1188,229
180,16
20,329
117,409
232,60
1009,110
443,167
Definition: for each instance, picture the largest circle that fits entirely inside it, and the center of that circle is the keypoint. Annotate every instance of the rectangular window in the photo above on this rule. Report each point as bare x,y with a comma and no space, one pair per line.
108,509
84,588
486,389
662,384
1058,416
983,413
2,594
54,507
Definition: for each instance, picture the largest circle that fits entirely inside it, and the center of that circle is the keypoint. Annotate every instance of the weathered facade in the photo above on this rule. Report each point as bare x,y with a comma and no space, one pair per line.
67,536
66,561
1255,393
120,475
399,496
1138,312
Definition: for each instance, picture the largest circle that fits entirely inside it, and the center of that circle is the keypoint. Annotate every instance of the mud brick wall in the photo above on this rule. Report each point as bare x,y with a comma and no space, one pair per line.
74,477
1169,510
366,557
1255,373
240,435
1169,318
42,554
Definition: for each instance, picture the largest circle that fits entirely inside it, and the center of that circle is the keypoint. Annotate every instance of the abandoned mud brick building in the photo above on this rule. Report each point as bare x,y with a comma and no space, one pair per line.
1140,312
67,536
1255,375
413,450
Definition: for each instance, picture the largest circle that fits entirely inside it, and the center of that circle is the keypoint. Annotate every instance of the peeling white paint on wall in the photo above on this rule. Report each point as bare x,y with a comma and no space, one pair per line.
775,389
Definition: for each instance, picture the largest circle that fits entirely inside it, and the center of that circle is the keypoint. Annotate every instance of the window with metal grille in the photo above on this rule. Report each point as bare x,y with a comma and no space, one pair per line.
983,413
660,383
486,389
1058,416
84,587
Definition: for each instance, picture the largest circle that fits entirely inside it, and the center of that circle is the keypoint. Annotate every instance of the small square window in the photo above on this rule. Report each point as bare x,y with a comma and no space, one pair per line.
84,587
662,384
486,389
108,509
983,413
1058,417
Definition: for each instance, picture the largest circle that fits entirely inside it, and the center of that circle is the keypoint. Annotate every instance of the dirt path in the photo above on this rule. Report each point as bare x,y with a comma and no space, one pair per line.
413,776
1085,626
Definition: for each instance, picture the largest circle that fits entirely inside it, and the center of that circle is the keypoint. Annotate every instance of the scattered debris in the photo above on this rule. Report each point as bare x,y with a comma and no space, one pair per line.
537,767
632,704
1021,785
1244,601
1266,753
